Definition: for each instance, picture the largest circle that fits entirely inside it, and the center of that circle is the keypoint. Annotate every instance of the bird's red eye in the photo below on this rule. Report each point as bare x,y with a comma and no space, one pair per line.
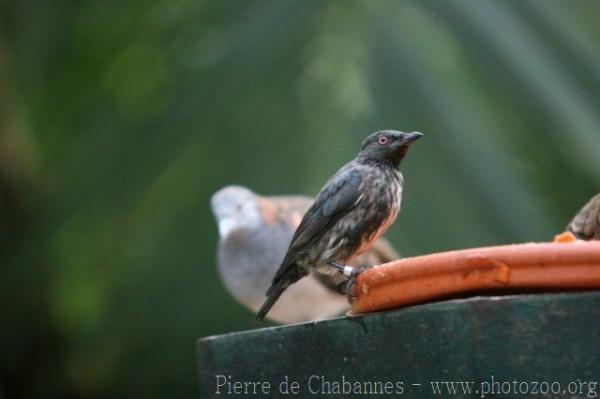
382,140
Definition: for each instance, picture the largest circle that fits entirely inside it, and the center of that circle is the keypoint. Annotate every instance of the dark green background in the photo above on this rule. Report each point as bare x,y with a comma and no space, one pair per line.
119,119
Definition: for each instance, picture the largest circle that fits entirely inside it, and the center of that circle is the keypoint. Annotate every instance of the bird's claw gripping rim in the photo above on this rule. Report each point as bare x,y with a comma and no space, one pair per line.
347,287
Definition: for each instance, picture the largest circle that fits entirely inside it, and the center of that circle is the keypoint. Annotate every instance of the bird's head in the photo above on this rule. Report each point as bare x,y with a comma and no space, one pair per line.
235,209
387,146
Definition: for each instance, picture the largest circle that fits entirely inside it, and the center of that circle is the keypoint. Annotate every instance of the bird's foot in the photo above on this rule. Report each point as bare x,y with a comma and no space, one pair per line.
347,287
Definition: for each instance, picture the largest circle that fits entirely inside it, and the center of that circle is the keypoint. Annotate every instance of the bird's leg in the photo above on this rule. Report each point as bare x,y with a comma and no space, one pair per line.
346,287
347,270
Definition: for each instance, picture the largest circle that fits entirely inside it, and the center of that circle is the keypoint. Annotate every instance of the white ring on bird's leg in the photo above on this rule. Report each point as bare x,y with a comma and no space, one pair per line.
348,271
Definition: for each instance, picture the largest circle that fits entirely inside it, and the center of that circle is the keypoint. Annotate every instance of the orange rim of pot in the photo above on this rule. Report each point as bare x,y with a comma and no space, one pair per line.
564,264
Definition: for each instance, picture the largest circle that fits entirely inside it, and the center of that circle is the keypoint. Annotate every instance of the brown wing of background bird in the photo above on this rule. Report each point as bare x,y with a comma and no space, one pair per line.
586,224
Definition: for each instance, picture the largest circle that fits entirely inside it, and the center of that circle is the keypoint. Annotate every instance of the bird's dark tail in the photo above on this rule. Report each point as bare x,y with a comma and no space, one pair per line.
273,294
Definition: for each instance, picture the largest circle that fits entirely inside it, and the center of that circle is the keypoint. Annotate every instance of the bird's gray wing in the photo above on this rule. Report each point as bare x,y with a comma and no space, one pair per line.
586,224
339,196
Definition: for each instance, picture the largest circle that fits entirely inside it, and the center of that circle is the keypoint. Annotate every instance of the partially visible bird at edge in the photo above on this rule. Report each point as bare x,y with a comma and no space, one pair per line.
586,224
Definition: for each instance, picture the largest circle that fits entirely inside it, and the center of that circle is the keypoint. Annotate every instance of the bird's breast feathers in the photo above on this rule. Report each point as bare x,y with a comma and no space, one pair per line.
375,210
386,200
382,188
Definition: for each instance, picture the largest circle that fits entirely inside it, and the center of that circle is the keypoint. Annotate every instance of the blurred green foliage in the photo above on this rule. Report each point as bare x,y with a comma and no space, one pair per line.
119,119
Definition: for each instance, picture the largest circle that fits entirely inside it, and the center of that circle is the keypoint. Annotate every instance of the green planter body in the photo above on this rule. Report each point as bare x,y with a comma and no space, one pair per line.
495,347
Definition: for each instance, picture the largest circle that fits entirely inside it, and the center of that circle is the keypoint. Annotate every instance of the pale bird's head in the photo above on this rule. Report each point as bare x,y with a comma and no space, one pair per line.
235,208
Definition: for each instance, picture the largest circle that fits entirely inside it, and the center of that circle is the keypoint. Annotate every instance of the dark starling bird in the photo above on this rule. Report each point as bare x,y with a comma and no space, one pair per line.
586,224
352,210
255,232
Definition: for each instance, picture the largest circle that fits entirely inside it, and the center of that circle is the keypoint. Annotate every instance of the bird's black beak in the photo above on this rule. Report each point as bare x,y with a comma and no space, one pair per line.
409,138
